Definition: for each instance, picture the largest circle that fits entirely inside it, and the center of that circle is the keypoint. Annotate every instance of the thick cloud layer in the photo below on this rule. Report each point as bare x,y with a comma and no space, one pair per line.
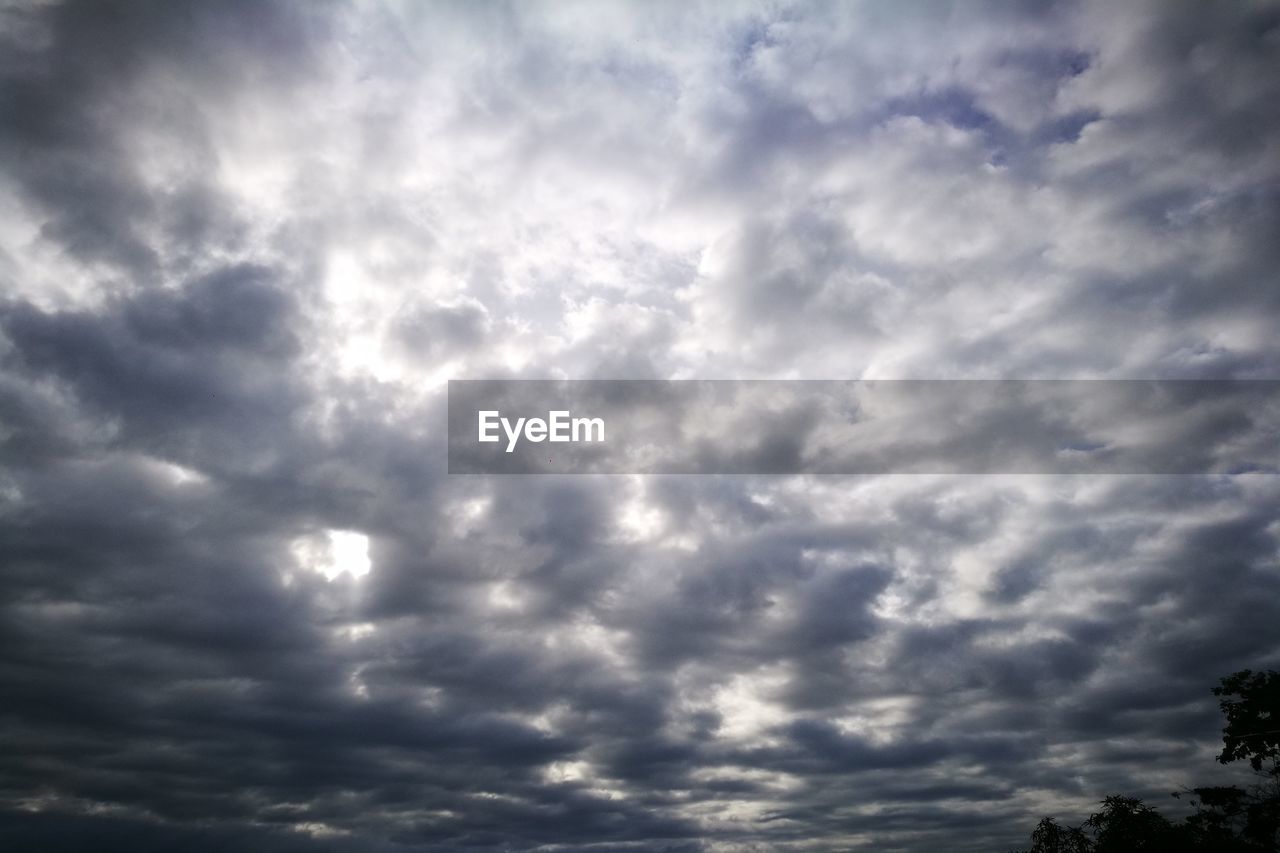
243,245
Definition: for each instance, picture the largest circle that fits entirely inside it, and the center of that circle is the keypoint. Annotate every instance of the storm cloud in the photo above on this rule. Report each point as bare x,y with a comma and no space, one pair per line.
244,245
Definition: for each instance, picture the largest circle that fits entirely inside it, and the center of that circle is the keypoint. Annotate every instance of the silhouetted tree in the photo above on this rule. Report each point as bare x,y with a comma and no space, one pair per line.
1251,705
1231,820
1225,819
1052,837
1128,825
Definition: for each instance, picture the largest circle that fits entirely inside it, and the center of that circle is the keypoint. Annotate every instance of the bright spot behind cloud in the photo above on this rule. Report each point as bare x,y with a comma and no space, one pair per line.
333,552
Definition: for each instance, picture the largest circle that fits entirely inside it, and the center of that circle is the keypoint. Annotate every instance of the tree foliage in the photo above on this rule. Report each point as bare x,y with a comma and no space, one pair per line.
1251,704
1224,819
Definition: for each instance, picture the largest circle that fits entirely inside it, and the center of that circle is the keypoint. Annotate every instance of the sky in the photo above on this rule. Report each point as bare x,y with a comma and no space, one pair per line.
245,245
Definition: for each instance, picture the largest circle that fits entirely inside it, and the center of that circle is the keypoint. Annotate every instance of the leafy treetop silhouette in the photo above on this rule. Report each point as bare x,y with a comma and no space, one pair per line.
1226,819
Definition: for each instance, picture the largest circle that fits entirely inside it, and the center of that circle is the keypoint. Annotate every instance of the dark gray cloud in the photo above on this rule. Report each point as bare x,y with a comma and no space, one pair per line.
242,246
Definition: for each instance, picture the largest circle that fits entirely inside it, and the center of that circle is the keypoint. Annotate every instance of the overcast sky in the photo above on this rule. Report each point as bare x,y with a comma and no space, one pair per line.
244,245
